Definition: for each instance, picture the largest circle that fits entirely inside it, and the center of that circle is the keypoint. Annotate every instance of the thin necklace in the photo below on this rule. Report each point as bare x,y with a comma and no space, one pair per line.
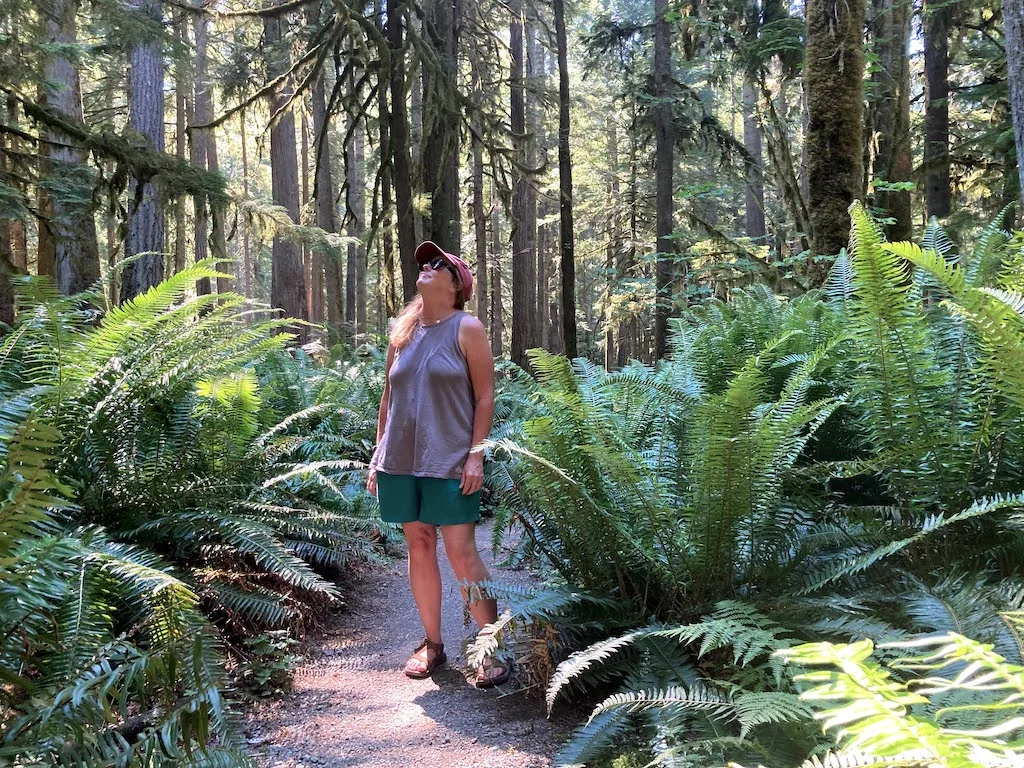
435,322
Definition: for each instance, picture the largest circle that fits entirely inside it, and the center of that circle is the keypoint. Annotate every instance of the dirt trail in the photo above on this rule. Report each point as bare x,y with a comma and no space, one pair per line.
352,706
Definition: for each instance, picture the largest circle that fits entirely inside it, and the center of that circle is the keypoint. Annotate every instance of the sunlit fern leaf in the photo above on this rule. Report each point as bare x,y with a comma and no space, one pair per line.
931,524
754,709
839,283
580,662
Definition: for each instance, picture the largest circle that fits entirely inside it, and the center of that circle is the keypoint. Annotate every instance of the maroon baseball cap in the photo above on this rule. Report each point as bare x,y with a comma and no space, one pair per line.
428,250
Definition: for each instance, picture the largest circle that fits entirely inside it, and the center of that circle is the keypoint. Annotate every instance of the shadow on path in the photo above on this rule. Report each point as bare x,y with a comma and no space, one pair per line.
352,706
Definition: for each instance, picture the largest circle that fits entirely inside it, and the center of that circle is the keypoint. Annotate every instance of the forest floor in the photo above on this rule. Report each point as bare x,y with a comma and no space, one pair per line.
352,706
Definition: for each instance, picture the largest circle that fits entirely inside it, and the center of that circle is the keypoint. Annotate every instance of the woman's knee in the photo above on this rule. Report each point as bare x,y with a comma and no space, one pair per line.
463,555
421,540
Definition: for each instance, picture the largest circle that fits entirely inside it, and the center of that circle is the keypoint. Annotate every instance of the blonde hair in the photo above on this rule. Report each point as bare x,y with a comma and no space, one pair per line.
404,327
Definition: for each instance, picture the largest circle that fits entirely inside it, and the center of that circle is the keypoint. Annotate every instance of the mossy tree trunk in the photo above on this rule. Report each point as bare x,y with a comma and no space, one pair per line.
68,233
386,259
891,158
400,150
835,169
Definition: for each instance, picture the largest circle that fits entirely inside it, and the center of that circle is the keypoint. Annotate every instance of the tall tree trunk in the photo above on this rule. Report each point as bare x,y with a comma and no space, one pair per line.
204,116
937,23
1013,24
198,152
629,344
182,86
68,248
529,232
567,247
440,156
323,190
359,208
523,285
754,172
17,231
387,249
834,70
891,161
614,254
246,252
497,321
479,213
287,282
400,150
307,253
146,119
663,167
355,206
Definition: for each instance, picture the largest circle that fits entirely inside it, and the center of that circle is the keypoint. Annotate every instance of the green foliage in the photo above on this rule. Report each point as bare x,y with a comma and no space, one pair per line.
847,463
104,656
165,464
939,700
268,670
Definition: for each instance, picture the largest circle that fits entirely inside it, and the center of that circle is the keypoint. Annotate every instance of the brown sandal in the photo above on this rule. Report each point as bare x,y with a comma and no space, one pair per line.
432,664
489,664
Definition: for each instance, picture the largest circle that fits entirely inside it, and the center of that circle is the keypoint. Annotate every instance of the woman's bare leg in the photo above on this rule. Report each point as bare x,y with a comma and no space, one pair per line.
425,582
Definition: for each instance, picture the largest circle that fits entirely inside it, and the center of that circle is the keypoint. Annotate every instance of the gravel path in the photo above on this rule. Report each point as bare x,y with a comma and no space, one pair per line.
352,706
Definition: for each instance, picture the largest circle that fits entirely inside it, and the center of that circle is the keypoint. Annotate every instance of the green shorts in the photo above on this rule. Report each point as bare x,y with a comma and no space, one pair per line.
432,500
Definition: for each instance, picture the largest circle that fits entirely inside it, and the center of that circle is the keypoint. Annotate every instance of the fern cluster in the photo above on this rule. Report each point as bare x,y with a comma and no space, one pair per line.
849,461
168,462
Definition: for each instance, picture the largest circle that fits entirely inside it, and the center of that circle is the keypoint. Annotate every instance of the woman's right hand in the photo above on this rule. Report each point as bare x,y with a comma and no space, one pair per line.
371,482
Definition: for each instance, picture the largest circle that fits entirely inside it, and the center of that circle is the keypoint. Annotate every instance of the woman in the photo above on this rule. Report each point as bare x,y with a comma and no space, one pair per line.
427,470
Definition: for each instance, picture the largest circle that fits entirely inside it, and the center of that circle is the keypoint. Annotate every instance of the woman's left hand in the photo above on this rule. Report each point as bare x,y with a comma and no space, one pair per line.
472,474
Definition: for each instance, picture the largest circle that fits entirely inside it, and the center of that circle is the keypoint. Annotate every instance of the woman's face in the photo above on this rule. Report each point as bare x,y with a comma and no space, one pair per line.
437,278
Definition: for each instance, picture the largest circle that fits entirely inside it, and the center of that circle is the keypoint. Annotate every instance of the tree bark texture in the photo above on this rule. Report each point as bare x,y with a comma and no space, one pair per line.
355,206
287,282
386,260
479,212
17,231
833,73
440,156
246,252
323,192
754,171
205,114
891,156
532,134
524,299
497,321
198,154
663,167
146,120
567,247
400,151
937,192
68,232
1013,24
182,87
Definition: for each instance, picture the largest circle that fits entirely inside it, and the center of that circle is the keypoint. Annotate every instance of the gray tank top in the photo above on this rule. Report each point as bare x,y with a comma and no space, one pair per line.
429,428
